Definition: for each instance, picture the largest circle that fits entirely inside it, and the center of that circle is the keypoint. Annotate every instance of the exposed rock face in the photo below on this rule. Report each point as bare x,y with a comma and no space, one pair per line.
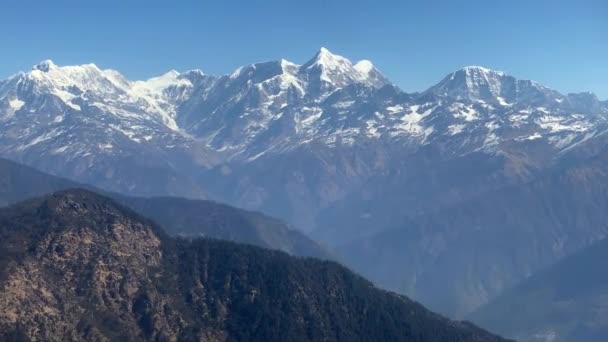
78,270
76,266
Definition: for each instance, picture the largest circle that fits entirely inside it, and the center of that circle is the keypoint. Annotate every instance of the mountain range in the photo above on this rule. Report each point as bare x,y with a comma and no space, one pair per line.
335,149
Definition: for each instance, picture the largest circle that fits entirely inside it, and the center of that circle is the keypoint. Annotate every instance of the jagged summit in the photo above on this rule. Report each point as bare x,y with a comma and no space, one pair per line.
481,84
45,65
324,50
371,73
323,73
327,59
585,102
474,83
161,82
262,71
364,66
89,73
338,71
198,72
480,69
171,73
75,86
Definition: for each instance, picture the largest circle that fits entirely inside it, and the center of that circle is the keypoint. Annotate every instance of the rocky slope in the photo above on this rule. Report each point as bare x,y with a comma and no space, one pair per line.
77,266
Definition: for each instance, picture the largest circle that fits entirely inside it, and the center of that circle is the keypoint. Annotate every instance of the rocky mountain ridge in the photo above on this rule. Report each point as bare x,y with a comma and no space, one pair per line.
78,266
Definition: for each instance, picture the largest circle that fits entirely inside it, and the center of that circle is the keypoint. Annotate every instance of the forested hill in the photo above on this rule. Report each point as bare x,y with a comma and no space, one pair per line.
77,266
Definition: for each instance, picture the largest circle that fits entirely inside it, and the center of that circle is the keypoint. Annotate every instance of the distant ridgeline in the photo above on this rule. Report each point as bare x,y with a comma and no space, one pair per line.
177,216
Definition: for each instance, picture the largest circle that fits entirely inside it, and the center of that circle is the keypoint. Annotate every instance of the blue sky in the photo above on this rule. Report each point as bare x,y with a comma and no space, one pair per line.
563,44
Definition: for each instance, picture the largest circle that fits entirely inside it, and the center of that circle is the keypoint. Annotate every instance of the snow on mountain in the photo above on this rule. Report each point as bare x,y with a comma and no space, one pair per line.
256,107
328,99
67,119
477,84
480,84
371,73
586,103
326,70
75,86
274,107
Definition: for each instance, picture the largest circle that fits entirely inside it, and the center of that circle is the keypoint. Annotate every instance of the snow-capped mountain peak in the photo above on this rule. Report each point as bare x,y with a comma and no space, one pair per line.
289,67
71,88
68,83
163,93
325,59
156,85
193,72
45,65
330,107
586,102
476,70
337,71
371,74
46,75
263,71
364,66
479,84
